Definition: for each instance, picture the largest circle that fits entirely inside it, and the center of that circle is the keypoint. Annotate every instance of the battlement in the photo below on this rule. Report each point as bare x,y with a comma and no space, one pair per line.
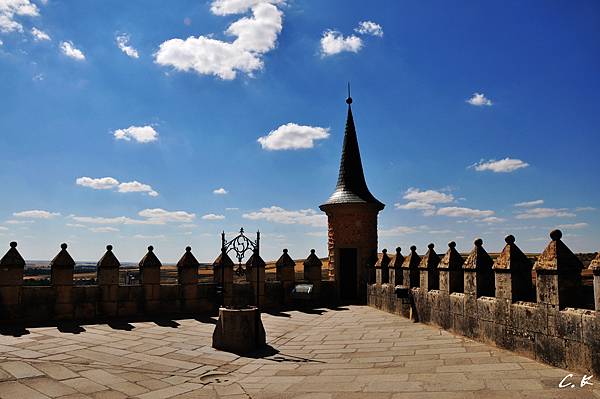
108,298
538,309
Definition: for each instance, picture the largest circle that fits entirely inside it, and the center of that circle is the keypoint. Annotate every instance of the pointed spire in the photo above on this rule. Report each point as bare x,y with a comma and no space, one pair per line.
478,258
452,259
413,260
12,257
109,260
398,259
511,257
150,259
383,260
431,259
312,260
285,260
62,259
223,260
351,185
557,256
188,259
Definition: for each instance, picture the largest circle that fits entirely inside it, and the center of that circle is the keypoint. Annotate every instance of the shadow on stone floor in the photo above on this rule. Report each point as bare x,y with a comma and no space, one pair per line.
69,327
13,331
166,323
121,325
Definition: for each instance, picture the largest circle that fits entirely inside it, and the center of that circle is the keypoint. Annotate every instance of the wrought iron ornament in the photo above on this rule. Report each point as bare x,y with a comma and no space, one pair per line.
240,245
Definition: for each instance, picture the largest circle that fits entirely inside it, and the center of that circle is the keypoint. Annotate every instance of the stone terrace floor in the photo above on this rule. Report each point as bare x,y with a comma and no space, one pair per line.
352,352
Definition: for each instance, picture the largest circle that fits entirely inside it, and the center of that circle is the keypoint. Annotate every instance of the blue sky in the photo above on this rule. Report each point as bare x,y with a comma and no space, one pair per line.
163,123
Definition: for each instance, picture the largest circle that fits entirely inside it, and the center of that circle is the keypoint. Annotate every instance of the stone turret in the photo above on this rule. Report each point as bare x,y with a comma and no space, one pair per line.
410,268
61,271
187,277
352,221
451,271
479,276
108,282
513,273
595,266
150,279
396,268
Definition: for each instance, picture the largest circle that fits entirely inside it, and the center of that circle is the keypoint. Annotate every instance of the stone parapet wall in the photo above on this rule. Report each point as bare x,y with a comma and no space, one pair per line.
550,327
108,299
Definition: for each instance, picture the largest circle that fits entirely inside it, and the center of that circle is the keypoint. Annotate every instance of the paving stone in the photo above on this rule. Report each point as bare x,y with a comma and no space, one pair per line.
48,386
16,390
19,369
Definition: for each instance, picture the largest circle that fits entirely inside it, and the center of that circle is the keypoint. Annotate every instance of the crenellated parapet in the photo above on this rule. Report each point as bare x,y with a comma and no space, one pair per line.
536,310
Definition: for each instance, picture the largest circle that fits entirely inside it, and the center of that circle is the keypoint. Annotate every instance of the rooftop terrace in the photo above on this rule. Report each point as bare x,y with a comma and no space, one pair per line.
348,352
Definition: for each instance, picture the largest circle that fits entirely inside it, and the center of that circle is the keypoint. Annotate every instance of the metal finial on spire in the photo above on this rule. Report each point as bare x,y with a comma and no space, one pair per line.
349,99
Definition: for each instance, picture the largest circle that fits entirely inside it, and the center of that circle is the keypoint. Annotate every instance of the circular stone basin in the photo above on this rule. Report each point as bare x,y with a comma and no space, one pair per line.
239,330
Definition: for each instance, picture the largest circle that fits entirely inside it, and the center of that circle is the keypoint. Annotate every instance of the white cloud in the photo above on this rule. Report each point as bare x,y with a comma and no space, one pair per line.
581,225
150,237
333,42
69,49
493,219
155,216
141,134
3,228
106,229
369,28
212,216
124,46
458,212
102,183
424,200
232,209
528,204
108,183
293,137
322,233
254,36
220,191
540,213
9,9
163,216
277,214
39,35
75,225
479,100
505,165
36,214
585,209
228,7
137,187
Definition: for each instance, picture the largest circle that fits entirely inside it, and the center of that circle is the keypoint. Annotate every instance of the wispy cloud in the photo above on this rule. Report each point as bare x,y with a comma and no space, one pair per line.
220,191
123,44
277,214
479,100
36,214
212,216
292,136
581,225
9,9
540,213
424,200
155,216
528,204
39,35
369,28
505,165
457,212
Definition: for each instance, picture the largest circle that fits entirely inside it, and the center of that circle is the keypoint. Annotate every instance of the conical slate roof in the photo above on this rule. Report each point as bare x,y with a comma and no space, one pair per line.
351,185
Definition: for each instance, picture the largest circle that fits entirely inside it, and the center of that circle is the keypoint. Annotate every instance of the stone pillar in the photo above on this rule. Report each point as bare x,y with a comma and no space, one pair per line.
558,275
479,276
513,274
108,282
383,268
430,279
187,278
396,268
61,272
256,264
150,281
312,272
286,274
410,269
11,282
450,271
223,276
